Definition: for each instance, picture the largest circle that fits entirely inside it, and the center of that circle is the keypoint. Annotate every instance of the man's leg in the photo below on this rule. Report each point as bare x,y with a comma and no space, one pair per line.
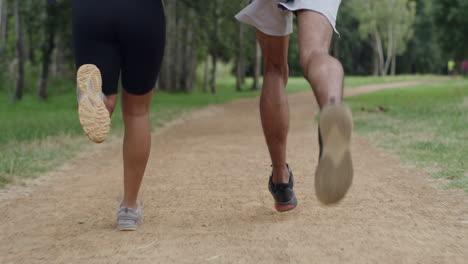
136,145
324,73
334,172
274,109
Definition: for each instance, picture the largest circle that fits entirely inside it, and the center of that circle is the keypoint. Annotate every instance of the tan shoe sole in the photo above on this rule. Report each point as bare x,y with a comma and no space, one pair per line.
93,114
334,173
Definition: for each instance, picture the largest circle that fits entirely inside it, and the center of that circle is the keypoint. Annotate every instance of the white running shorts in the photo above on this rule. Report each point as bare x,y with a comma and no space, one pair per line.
275,17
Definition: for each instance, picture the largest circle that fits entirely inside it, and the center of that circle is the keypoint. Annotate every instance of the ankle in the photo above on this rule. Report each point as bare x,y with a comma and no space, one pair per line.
280,174
129,204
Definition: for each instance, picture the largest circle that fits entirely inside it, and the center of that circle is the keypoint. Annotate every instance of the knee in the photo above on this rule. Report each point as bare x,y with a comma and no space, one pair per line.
136,105
277,68
319,64
135,111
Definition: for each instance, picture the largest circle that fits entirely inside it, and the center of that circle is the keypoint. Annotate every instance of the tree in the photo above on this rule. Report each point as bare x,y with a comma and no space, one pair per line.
389,25
3,25
18,94
257,66
240,59
48,45
423,53
451,19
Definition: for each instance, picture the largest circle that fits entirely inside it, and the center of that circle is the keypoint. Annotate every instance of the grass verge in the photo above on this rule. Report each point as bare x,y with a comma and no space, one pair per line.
36,137
426,125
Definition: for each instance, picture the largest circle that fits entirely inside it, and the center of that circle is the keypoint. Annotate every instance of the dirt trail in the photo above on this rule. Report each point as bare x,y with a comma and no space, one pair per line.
206,201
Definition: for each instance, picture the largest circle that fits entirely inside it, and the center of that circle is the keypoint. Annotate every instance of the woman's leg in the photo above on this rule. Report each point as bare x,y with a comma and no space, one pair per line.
141,49
136,145
110,101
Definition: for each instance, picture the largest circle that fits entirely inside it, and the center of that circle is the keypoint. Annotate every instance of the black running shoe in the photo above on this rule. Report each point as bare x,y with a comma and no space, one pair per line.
283,193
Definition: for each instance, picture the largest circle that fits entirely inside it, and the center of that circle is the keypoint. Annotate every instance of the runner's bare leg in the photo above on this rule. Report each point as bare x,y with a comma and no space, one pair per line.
324,73
136,145
274,108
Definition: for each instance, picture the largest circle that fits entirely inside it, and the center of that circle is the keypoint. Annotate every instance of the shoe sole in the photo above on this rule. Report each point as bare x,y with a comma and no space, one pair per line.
127,228
286,206
93,114
334,173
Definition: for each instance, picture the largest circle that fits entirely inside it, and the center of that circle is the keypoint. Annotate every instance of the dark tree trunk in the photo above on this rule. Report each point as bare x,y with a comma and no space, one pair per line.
240,72
18,94
215,48
214,59
257,66
206,73
3,25
166,76
29,34
375,71
393,67
178,56
59,58
47,49
190,53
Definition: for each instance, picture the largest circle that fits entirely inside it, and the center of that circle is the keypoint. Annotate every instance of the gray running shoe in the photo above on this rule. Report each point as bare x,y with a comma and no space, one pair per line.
129,219
334,173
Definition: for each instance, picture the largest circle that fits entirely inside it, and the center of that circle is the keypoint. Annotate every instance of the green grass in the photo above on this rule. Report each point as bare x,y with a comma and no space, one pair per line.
427,125
36,137
355,81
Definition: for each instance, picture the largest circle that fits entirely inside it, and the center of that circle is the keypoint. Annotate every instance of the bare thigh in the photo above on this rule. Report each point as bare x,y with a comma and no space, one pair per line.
315,33
274,49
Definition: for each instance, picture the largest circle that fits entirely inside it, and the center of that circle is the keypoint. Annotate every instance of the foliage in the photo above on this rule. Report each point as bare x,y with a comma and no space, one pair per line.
389,24
423,53
452,21
206,30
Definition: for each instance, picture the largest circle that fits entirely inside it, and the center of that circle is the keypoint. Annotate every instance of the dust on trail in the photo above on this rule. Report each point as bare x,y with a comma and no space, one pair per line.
206,201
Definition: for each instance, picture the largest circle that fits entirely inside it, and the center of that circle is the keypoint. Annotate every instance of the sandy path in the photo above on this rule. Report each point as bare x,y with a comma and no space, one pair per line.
206,201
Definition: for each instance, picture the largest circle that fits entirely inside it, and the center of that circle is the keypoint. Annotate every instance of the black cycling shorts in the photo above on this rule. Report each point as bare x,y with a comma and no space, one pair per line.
121,36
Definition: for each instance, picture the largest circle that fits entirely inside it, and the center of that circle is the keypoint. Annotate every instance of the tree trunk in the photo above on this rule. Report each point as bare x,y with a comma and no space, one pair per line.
389,49
379,50
206,73
192,76
191,49
215,48
18,94
166,76
257,66
30,44
393,68
178,57
47,49
3,25
59,60
214,59
376,64
240,59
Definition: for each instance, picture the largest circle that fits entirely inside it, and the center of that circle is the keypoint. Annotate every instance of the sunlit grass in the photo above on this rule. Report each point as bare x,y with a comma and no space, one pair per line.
26,124
427,125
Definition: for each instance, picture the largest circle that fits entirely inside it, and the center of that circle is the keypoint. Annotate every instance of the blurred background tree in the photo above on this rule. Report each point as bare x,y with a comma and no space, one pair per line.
451,24
205,42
